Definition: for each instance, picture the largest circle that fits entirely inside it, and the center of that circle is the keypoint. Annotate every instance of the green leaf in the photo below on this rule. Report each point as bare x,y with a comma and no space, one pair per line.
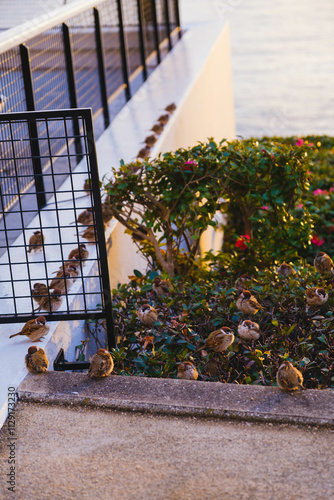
137,273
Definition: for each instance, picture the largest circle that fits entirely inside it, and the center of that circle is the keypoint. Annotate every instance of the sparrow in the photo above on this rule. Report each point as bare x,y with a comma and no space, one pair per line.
144,153
249,330
163,119
73,270
170,108
285,270
219,340
187,371
289,378
86,217
240,282
36,242
39,292
323,263
59,281
107,212
81,251
157,128
161,287
147,315
150,140
87,186
90,234
51,303
36,360
247,303
316,296
101,364
35,329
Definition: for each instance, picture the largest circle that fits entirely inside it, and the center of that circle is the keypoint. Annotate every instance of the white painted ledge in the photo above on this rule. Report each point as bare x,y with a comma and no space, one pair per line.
196,75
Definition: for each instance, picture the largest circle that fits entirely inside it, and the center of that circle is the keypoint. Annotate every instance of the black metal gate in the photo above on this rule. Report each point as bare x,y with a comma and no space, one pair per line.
43,146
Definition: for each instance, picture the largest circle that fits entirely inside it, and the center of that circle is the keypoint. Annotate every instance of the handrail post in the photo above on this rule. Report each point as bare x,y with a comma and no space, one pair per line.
141,39
177,15
168,25
102,74
71,87
123,51
32,127
156,34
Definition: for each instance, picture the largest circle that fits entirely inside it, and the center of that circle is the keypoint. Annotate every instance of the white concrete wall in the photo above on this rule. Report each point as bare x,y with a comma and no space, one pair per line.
196,75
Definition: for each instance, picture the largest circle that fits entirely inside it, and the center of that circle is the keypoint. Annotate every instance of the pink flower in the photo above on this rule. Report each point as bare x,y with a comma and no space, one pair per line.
300,205
318,192
309,172
265,207
191,162
317,241
242,241
300,142
331,190
310,145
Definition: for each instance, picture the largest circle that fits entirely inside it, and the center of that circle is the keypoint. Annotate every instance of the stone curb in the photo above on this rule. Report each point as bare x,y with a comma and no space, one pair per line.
181,397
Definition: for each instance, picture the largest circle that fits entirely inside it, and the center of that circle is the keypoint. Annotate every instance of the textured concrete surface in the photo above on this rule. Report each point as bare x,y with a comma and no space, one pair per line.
80,453
181,397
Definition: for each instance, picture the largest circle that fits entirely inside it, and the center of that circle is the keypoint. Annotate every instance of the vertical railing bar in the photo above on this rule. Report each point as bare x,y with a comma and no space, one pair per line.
95,184
102,73
177,15
32,127
123,51
168,25
72,87
141,39
156,34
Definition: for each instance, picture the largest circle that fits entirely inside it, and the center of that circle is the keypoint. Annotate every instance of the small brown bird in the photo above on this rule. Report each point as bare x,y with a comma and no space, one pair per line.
240,282
87,186
150,140
73,270
101,364
90,234
219,340
316,296
170,108
161,287
285,270
107,211
144,153
86,217
163,119
36,360
63,281
249,330
157,128
147,315
187,371
39,292
51,303
323,263
35,329
289,378
247,303
81,251
36,242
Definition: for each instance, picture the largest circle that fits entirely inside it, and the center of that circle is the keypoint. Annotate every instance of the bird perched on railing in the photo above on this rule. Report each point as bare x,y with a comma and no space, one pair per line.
101,364
36,242
220,340
86,217
157,128
90,234
161,287
36,360
63,281
144,153
316,296
163,119
289,378
39,292
247,303
323,263
147,315
35,329
187,371
285,270
249,330
150,140
87,186
51,303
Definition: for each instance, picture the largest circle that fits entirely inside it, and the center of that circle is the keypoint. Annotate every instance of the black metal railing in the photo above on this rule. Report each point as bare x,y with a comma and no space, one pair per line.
97,56
83,288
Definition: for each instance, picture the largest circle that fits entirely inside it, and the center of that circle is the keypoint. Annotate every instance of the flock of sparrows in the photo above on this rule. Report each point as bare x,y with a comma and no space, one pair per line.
157,129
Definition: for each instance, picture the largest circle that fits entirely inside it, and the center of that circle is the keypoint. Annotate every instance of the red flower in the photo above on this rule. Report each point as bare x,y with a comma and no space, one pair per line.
317,241
242,241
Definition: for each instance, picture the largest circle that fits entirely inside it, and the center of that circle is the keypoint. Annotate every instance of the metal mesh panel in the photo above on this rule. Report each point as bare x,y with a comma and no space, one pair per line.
162,27
83,41
131,32
148,33
23,265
